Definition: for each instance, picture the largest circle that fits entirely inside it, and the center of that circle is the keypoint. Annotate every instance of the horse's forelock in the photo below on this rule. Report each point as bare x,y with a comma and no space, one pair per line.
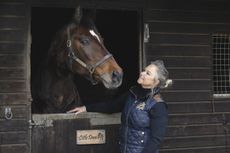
87,23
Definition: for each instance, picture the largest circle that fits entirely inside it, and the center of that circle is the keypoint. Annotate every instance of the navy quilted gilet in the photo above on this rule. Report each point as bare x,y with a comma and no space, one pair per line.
135,124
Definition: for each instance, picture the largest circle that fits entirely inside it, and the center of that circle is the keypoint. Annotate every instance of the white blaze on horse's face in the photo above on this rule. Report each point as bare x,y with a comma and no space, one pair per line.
94,34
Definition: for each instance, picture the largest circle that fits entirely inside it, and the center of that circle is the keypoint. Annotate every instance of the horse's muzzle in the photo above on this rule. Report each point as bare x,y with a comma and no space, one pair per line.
117,77
113,80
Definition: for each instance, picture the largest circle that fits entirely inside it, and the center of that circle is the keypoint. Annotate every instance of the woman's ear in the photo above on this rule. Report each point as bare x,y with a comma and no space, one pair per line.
156,82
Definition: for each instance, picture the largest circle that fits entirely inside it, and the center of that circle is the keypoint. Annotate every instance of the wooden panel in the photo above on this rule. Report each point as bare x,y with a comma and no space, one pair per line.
22,148
188,16
182,96
180,50
199,5
196,107
127,4
222,106
14,9
14,98
11,60
115,4
189,119
12,23
12,73
112,138
13,125
190,73
9,48
191,85
12,86
53,139
211,149
192,39
182,61
13,137
19,111
182,142
198,28
13,1
194,130
12,35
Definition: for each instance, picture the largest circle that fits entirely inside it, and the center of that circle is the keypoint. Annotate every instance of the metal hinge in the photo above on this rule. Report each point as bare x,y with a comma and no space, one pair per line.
43,123
8,113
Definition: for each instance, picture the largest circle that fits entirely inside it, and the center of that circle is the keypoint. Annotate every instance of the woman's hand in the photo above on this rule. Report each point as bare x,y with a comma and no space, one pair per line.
78,110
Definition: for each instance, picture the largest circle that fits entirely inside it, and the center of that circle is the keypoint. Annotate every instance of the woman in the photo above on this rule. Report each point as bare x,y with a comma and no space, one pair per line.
144,113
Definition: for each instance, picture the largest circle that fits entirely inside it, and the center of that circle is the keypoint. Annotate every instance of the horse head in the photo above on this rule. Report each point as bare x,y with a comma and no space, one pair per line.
83,52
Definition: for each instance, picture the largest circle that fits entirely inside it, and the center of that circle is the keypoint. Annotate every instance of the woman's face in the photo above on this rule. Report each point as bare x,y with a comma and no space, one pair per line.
147,78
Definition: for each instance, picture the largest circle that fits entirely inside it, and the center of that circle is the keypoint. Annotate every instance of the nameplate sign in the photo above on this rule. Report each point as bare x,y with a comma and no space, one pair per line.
84,137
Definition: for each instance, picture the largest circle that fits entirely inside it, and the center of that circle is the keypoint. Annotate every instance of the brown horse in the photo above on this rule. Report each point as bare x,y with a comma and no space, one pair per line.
77,49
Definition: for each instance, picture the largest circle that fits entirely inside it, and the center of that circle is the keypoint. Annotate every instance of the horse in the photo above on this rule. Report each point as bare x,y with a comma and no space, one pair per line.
78,48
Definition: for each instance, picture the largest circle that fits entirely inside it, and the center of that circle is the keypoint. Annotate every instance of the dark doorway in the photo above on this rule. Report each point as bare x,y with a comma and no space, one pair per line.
120,30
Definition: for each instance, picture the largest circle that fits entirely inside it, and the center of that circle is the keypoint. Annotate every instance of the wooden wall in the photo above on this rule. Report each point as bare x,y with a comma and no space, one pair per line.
180,35
14,80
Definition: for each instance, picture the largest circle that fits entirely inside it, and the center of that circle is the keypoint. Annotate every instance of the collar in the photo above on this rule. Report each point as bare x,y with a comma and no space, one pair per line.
142,93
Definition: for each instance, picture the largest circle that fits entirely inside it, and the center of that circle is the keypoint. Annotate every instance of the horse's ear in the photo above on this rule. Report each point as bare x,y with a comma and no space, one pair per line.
77,15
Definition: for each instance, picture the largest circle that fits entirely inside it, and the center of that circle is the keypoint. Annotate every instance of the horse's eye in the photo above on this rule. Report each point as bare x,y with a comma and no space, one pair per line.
84,41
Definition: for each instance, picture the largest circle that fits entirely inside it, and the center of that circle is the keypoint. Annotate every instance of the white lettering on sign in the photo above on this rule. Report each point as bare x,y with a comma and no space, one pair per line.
90,137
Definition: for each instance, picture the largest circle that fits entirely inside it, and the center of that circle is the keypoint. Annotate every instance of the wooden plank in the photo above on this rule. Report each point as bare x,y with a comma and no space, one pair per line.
12,22
11,60
18,36
209,149
13,99
180,50
174,38
198,5
12,9
189,119
203,16
16,148
195,107
13,1
183,96
13,137
115,4
13,125
191,85
12,86
12,73
200,141
128,4
222,106
194,130
189,27
182,61
182,73
12,48
19,111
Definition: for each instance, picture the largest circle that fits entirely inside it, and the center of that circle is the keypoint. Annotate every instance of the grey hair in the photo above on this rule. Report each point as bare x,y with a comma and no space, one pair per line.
162,74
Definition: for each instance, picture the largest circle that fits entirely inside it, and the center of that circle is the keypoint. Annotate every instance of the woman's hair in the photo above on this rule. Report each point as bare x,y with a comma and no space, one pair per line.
162,74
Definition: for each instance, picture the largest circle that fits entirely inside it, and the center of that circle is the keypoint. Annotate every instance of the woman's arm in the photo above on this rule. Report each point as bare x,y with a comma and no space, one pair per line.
110,106
158,125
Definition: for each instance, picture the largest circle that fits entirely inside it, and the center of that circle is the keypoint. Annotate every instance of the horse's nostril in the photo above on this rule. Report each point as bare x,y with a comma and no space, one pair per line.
116,76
